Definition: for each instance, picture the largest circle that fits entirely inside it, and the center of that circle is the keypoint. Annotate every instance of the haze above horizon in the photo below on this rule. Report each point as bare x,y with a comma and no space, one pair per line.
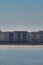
21,15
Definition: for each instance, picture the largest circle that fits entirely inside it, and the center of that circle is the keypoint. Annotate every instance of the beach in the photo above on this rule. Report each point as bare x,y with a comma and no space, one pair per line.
21,46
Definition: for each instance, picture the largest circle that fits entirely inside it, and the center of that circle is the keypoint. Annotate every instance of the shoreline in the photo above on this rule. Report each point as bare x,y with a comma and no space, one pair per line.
21,46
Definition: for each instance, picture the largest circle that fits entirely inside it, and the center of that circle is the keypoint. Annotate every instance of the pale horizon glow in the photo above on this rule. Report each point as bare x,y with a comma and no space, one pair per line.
21,15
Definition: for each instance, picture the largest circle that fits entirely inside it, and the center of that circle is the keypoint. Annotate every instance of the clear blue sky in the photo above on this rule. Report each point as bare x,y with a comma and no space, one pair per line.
21,15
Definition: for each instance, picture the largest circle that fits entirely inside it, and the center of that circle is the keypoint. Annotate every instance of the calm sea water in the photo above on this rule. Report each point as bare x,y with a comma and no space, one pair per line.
21,56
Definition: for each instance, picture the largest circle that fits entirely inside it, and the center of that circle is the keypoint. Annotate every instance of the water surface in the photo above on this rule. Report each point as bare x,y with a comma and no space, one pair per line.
21,56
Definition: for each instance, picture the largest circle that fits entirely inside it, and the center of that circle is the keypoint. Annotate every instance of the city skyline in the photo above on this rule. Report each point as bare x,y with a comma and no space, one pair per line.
21,15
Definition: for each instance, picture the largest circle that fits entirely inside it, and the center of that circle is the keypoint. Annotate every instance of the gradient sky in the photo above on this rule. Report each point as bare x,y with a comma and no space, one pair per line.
21,15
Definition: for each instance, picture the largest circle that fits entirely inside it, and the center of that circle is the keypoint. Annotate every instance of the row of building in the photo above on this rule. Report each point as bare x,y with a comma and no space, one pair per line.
21,37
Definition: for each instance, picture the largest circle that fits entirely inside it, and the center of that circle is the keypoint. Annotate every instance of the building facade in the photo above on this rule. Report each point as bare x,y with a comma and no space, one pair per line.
2,37
41,37
6,34
15,36
35,37
21,37
11,37
28,37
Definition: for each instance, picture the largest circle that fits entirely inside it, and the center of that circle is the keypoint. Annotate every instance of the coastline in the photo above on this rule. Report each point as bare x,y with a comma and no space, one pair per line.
21,46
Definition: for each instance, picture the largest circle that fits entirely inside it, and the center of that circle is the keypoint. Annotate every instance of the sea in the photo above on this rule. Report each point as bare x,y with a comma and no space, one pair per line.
21,56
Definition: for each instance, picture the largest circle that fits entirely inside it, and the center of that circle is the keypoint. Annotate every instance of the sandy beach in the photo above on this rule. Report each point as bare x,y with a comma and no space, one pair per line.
21,46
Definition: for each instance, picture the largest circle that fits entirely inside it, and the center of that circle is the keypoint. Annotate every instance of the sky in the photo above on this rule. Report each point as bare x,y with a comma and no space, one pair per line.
21,15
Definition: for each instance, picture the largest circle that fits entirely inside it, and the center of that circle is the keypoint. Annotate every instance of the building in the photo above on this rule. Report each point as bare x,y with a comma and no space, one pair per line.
41,37
6,34
15,36
11,37
2,37
28,37
34,37
21,36
24,36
